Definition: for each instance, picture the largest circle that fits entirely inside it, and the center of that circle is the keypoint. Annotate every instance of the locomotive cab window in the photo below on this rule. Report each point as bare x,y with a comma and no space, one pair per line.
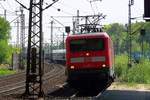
95,44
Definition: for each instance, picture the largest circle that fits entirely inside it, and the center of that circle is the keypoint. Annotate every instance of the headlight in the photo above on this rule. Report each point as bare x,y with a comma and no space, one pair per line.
71,67
103,65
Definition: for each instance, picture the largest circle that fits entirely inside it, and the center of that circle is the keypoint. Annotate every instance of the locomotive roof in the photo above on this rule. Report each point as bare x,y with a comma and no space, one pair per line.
99,34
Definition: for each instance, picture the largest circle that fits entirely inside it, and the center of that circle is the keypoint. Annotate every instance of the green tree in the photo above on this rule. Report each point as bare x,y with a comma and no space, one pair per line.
118,34
5,49
4,29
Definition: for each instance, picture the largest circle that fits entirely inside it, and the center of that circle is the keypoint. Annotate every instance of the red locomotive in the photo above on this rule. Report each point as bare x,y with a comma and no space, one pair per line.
89,57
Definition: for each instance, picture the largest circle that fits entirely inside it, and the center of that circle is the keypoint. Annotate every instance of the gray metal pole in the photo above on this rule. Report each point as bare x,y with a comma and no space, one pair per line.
51,51
63,40
129,33
5,14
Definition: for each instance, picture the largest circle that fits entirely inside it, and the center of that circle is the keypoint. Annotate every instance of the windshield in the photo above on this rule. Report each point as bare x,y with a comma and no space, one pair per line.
87,45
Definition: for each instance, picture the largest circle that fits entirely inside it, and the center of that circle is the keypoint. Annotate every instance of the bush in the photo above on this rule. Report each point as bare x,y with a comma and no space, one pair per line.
138,73
121,65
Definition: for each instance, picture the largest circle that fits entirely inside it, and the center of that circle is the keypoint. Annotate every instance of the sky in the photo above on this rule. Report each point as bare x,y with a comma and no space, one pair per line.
115,11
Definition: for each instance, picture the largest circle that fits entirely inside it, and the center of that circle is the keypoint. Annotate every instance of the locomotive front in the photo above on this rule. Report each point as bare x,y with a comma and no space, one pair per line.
89,57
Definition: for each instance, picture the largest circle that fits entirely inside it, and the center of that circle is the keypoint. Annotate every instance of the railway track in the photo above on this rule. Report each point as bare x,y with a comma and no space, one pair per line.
51,80
7,80
19,87
14,78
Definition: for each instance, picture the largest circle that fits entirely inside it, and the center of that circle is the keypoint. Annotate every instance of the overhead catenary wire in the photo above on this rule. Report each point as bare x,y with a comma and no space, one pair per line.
58,21
71,7
93,1
92,7
137,30
14,19
54,1
22,5
9,5
8,11
2,6
61,10
96,7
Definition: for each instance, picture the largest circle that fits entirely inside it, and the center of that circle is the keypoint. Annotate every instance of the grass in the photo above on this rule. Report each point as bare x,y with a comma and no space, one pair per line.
5,71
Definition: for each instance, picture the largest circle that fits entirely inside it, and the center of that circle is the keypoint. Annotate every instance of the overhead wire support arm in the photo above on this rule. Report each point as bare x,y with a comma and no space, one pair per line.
137,30
22,5
57,21
50,4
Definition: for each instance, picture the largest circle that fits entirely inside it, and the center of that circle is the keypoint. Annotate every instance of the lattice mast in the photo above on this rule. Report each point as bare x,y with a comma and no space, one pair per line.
34,53
22,37
22,28
34,70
